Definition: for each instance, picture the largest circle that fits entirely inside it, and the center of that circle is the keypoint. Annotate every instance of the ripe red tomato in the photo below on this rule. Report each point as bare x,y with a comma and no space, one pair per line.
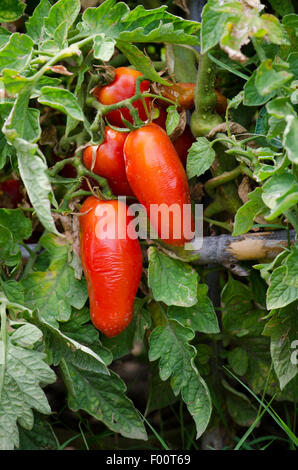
109,161
123,87
112,265
183,143
156,176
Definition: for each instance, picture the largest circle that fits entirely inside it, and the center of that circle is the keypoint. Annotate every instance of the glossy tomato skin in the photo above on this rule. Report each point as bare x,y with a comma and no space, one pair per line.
123,87
183,143
112,265
109,161
156,176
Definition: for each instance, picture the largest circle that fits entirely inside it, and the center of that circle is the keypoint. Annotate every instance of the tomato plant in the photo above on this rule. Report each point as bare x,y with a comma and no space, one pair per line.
111,333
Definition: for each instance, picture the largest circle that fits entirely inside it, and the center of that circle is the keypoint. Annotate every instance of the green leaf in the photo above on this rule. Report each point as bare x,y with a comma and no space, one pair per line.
291,263
11,10
282,329
14,291
139,25
172,281
201,317
268,80
14,227
4,36
282,7
172,120
35,26
17,53
252,97
33,171
289,138
61,99
214,18
238,360
160,393
19,225
280,192
239,315
142,63
26,336
24,371
40,437
103,47
63,11
200,157
102,396
56,290
280,294
239,406
245,216
170,344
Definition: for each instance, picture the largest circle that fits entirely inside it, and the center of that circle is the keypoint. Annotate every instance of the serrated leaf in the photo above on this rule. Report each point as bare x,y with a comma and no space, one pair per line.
282,329
102,396
56,290
139,25
170,344
17,53
33,170
200,157
61,99
24,372
35,27
63,11
172,281
11,10
245,216
201,317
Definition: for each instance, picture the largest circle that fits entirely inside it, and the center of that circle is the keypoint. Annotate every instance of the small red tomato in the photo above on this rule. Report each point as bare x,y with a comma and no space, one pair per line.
109,161
157,178
112,263
183,143
123,87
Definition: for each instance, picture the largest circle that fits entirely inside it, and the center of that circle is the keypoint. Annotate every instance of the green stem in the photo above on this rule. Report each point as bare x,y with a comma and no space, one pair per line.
204,118
223,225
223,178
60,165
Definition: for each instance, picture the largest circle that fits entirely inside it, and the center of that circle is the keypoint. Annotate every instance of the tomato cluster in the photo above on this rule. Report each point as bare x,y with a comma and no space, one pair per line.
144,163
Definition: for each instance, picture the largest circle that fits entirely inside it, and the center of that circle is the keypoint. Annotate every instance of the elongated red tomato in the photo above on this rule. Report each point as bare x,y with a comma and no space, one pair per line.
112,263
157,178
123,87
109,161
